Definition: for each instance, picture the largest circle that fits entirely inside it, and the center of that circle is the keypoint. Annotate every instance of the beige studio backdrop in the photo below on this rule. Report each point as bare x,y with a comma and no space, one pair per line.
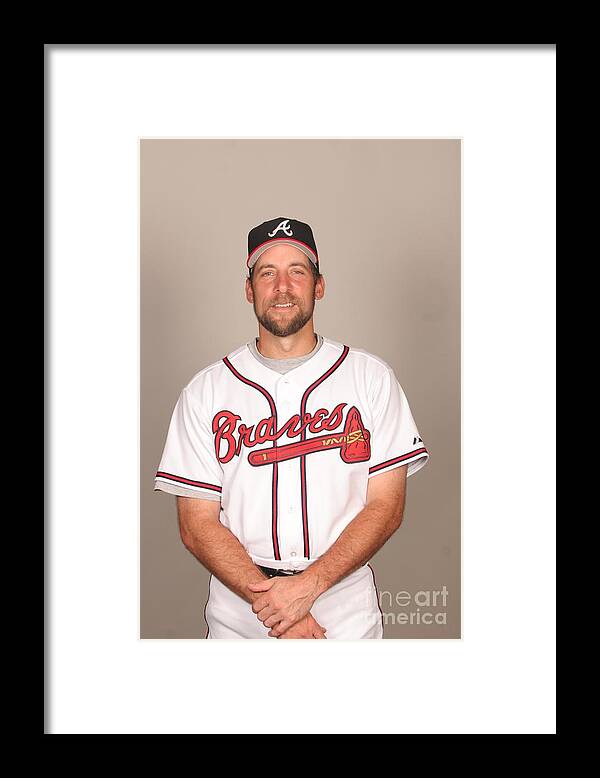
386,215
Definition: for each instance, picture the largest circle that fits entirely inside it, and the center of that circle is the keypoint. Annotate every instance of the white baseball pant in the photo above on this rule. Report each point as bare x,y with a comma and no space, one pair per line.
348,611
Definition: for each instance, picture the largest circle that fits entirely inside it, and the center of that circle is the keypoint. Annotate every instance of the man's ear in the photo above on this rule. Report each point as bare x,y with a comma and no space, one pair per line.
249,292
320,288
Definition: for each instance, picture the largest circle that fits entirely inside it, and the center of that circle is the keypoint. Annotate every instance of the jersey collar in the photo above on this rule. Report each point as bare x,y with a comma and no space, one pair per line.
299,375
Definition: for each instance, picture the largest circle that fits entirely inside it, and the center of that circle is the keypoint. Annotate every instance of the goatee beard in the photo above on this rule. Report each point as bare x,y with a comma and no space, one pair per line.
281,329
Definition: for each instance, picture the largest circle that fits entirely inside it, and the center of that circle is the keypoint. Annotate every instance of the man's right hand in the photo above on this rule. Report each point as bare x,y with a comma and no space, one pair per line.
307,627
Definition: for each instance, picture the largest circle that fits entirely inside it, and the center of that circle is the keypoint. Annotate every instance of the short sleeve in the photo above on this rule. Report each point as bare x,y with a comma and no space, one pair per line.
189,466
395,439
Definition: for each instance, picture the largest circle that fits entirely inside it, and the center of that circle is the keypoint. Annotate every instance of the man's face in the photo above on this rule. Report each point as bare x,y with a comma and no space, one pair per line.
282,276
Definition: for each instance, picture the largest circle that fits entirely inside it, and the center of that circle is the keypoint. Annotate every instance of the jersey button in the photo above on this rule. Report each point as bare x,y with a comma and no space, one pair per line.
293,553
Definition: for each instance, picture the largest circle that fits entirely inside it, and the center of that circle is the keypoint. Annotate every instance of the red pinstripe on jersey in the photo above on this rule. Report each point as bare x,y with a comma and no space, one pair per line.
417,452
303,487
262,390
181,480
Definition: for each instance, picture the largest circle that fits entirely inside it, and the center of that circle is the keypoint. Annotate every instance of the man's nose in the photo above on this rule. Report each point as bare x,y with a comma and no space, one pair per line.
281,282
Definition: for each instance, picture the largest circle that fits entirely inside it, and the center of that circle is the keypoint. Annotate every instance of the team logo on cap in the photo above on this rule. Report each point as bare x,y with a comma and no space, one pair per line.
284,226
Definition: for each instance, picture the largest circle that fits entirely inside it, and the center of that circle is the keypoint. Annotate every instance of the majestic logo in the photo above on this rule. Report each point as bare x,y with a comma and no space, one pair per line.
353,441
284,226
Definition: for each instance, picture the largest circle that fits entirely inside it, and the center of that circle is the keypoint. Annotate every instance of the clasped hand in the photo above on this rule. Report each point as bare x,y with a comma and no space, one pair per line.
284,601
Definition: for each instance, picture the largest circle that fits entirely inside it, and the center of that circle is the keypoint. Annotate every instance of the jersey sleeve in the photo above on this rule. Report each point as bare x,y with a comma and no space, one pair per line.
189,466
395,439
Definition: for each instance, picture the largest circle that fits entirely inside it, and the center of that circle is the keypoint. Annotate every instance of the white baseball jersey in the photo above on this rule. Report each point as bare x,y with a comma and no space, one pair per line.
289,455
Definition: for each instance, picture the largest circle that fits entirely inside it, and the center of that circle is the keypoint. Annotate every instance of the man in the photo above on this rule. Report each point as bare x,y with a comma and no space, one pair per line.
289,459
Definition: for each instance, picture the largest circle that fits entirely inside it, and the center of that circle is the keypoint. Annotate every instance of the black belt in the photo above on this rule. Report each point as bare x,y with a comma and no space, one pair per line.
271,571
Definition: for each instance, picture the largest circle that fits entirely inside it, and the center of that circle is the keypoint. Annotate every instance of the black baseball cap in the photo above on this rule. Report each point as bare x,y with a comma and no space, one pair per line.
281,230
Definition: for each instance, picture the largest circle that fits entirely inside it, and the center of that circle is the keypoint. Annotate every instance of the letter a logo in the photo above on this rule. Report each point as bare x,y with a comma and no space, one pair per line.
284,226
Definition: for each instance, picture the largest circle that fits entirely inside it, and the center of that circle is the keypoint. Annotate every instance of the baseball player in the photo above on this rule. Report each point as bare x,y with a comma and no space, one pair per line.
289,459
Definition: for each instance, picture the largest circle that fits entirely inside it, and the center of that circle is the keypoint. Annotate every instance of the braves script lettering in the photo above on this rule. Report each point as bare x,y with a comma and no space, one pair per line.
224,424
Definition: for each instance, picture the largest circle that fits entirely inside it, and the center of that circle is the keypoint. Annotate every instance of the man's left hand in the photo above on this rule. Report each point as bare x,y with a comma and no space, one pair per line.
285,600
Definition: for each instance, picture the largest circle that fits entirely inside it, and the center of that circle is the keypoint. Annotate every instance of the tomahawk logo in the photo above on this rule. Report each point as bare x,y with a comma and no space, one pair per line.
284,226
